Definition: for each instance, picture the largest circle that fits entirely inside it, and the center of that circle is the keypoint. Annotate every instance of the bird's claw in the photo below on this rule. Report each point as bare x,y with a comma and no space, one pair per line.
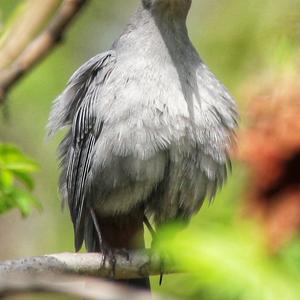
109,256
163,259
123,252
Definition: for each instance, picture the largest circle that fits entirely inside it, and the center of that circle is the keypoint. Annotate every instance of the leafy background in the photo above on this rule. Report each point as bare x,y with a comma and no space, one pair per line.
227,249
16,168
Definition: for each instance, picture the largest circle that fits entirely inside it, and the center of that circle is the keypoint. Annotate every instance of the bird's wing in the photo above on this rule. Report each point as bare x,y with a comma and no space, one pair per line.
66,104
76,107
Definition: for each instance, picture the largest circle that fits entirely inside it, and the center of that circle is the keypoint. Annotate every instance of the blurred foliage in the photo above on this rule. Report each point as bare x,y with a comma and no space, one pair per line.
270,146
225,250
16,169
232,263
229,259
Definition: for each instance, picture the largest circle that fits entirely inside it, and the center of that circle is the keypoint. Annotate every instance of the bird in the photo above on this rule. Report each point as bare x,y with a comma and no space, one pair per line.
149,132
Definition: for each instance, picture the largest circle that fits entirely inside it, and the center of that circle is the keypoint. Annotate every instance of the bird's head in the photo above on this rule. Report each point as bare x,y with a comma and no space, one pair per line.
175,7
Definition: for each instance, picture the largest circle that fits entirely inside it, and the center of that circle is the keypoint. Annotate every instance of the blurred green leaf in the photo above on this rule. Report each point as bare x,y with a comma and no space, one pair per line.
25,202
230,263
25,179
5,203
16,168
226,255
6,180
26,166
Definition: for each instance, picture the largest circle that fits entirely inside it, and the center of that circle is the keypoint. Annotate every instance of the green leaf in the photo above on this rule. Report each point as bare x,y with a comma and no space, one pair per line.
11,154
26,179
26,166
16,167
6,203
6,180
25,202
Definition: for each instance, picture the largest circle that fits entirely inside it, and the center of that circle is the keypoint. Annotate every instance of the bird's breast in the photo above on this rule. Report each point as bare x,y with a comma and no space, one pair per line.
146,106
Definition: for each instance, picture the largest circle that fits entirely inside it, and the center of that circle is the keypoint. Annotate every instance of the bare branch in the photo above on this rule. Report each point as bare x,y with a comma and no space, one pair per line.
40,46
135,264
75,286
28,20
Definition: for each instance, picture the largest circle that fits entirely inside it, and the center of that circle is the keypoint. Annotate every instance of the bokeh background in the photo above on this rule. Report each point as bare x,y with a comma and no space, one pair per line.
246,244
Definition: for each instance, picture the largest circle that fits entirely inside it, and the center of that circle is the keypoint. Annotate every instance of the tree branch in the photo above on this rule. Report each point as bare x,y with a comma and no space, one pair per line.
75,286
137,264
29,18
40,46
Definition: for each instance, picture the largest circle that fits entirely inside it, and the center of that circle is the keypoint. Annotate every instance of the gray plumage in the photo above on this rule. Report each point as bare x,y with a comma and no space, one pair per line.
150,125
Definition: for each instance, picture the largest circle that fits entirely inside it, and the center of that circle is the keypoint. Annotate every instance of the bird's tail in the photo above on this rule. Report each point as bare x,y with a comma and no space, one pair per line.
119,232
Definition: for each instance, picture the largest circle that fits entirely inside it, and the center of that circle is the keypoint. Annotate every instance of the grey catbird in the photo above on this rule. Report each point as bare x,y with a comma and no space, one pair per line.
149,131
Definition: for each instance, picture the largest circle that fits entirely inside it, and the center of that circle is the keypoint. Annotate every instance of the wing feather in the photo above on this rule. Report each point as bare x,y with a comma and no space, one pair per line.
76,107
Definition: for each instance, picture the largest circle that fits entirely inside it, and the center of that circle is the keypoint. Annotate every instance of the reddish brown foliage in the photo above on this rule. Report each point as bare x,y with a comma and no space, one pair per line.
270,145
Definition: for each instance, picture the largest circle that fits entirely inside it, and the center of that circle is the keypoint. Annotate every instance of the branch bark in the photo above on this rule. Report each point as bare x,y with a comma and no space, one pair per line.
74,286
137,264
29,18
40,47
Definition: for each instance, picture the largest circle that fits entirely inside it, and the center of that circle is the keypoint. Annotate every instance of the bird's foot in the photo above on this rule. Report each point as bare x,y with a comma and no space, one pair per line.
108,259
154,241
123,252
161,277
163,258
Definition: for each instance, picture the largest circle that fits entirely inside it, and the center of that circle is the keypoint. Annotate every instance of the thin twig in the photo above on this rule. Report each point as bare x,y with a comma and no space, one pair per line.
40,46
